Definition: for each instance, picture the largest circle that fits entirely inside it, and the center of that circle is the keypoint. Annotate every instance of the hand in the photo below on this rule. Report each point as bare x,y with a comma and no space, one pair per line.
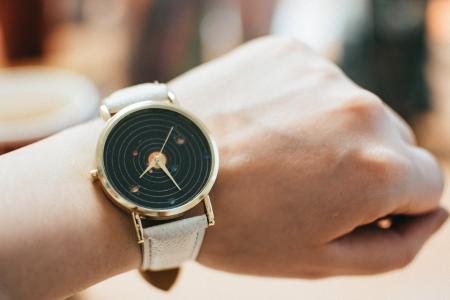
165,141
166,171
309,163
151,165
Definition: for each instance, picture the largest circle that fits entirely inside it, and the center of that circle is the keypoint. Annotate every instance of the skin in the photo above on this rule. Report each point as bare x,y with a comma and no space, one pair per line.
308,162
308,159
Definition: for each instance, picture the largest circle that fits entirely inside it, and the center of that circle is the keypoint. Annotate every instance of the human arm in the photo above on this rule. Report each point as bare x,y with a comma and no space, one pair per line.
306,157
59,234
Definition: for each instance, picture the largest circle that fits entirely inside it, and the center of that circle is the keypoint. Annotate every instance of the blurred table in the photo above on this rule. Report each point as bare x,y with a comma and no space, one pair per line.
428,277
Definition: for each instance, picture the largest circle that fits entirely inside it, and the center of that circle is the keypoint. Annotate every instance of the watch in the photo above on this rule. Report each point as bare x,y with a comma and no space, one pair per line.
157,161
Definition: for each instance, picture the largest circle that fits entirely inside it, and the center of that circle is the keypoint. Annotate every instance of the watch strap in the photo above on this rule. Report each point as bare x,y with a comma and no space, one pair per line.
137,93
168,245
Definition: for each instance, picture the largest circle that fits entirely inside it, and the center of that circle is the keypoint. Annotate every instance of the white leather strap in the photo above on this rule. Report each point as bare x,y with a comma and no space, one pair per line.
167,245
137,93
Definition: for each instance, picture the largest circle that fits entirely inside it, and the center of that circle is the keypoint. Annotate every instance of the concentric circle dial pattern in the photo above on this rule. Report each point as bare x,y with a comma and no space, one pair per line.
141,134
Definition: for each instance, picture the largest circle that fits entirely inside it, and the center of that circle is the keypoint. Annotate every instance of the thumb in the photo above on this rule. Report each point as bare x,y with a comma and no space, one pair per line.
370,249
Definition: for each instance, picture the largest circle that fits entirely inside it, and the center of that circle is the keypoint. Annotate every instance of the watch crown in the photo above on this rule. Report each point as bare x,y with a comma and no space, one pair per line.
94,174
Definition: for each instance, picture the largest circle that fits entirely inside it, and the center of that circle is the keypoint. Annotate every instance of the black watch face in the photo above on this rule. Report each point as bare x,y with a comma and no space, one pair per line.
157,158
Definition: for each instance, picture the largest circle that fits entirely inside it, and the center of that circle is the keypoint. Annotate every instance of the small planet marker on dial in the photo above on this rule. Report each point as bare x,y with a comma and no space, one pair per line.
180,140
135,153
134,189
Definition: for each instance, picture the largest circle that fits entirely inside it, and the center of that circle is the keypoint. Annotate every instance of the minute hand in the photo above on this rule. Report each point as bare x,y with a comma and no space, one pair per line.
165,141
164,168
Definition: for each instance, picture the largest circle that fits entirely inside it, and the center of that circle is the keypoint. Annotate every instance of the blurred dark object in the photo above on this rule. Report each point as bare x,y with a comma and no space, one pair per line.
389,56
23,26
163,280
256,17
168,40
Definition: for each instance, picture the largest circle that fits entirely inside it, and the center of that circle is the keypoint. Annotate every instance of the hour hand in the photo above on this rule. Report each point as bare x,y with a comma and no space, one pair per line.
165,170
151,165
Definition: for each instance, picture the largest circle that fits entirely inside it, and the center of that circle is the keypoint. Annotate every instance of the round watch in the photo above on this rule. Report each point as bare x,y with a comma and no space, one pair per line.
157,161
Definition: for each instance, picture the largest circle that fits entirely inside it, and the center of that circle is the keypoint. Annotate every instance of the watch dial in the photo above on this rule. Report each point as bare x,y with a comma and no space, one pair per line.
157,158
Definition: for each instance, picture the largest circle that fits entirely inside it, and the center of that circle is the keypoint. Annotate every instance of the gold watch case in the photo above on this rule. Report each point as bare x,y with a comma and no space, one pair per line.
127,205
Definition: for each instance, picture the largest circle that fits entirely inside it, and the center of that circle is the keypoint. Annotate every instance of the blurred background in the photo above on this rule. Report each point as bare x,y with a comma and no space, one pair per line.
58,58
398,49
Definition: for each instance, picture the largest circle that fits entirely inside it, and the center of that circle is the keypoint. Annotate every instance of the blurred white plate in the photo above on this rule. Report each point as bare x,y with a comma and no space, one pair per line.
38,101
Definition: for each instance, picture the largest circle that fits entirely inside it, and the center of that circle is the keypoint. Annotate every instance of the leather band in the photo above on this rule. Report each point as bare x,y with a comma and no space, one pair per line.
167,245
137,93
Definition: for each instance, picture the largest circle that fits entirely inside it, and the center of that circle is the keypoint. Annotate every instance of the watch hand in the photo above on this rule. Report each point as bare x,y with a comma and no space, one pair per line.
164,168
151,165
165,141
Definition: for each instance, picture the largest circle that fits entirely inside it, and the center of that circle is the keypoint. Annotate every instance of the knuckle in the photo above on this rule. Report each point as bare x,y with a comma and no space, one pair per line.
430,161
325,71
380,173
364,106
331,72
385,167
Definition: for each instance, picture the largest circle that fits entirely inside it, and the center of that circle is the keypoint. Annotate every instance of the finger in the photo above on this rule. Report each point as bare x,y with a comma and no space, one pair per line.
424,186
370,250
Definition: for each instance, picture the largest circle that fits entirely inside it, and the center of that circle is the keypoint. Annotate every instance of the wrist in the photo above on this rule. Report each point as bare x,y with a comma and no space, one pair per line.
114,230
77,238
